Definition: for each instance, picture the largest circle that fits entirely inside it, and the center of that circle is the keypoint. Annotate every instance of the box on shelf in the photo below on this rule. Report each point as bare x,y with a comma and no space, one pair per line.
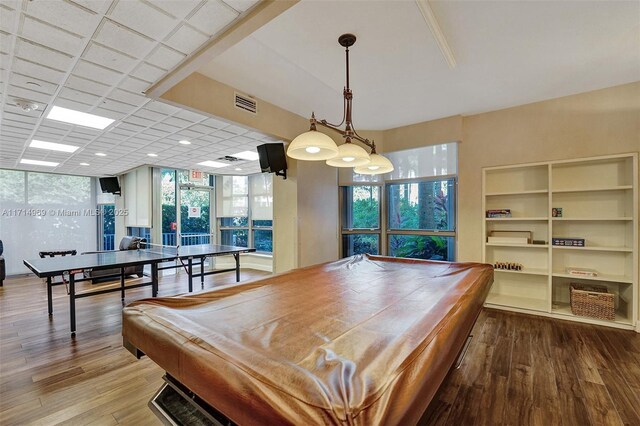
499,213
581,272
592,301
510,237
567,242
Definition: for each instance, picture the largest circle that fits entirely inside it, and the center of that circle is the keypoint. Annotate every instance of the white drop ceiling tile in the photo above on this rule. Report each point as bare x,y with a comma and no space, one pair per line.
87,131
190,134
177,122
162,107
215,123
148,72
109,58
139,121
151,115
87,86
155,133
212,17
65,15
134,85
186,39
177,8
117,36
76,95
165,57
94,5
202,129
50,36
236,130
190,116
72,104
33,84
210,139
128,97
143,18
7,17
5,43
241,5
117,106
7,123
42,54
115,115
222,134
125,128
96,72
166,128
23,118
38,71
15,92
55,127
254,135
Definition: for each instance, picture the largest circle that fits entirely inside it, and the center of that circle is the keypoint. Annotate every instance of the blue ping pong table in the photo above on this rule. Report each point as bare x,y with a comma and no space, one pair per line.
151,255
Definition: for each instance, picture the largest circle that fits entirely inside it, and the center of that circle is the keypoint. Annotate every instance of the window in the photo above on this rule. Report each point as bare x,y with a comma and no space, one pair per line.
361,220
169,214
410,212
261,210
421,219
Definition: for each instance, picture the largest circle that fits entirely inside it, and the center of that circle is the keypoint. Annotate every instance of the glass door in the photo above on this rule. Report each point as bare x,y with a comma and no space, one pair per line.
195,216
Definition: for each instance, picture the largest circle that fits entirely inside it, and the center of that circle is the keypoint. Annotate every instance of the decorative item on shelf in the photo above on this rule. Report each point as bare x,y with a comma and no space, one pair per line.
592,301
556,212
509,266
316,146
581,272
567,242
498,213
510,237
539,242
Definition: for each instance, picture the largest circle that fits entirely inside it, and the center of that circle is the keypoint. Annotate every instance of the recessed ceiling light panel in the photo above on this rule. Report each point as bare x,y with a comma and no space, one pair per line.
79,118
52,146
38,163
101,154
184,142
85,164
214,164
247,155
152,154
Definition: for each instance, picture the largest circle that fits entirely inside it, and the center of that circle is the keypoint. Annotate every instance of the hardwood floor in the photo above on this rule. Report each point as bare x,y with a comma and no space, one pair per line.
519,370
528,370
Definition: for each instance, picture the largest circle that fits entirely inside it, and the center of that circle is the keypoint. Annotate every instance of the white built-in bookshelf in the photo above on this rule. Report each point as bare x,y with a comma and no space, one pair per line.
599,202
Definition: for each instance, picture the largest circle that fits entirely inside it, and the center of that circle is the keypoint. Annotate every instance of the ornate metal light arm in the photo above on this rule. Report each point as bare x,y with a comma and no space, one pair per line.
346,40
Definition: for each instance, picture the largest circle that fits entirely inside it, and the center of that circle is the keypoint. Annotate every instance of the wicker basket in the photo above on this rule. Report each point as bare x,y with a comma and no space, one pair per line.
592,301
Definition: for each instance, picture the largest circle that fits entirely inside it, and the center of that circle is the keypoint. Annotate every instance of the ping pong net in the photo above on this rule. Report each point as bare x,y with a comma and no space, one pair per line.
159,249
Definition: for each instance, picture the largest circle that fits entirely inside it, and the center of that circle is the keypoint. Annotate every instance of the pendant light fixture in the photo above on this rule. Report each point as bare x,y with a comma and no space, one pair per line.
316,146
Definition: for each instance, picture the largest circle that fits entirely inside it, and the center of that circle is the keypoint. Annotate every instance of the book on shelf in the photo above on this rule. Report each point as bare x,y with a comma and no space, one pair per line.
568,242
509,237
581,272
498,213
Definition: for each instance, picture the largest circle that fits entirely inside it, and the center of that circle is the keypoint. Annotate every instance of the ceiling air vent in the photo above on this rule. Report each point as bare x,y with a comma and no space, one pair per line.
246,103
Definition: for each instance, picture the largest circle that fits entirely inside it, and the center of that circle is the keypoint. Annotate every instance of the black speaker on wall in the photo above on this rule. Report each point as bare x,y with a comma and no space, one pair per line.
273,159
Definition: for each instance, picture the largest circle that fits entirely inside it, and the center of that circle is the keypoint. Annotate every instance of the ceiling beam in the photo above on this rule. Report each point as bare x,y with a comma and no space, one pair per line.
434,26
261,14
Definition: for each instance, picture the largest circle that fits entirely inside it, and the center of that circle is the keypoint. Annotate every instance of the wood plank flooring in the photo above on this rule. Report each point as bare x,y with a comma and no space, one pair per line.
519,370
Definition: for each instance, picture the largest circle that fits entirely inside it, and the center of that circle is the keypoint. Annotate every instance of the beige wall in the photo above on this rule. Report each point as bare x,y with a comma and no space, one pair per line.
427,133
285,220
317,213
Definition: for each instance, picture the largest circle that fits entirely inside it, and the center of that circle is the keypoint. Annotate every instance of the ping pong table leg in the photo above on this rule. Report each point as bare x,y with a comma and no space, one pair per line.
122,284
202,272
154,279
190,268
72,303
237,257
49,296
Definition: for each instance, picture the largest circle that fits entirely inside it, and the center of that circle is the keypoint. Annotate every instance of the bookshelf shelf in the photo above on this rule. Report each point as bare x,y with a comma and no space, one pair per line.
595,248
610,188
598,198
518,245
516,219
505,193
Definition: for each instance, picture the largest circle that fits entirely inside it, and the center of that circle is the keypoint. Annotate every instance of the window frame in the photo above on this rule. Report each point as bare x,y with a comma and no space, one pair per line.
423,232
344,192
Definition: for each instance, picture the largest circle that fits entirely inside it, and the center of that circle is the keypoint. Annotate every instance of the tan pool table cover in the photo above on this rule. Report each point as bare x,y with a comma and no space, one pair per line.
365,340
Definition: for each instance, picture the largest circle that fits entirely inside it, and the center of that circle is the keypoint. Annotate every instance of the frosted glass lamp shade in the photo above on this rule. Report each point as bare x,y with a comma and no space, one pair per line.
349,155
379,165
312,146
